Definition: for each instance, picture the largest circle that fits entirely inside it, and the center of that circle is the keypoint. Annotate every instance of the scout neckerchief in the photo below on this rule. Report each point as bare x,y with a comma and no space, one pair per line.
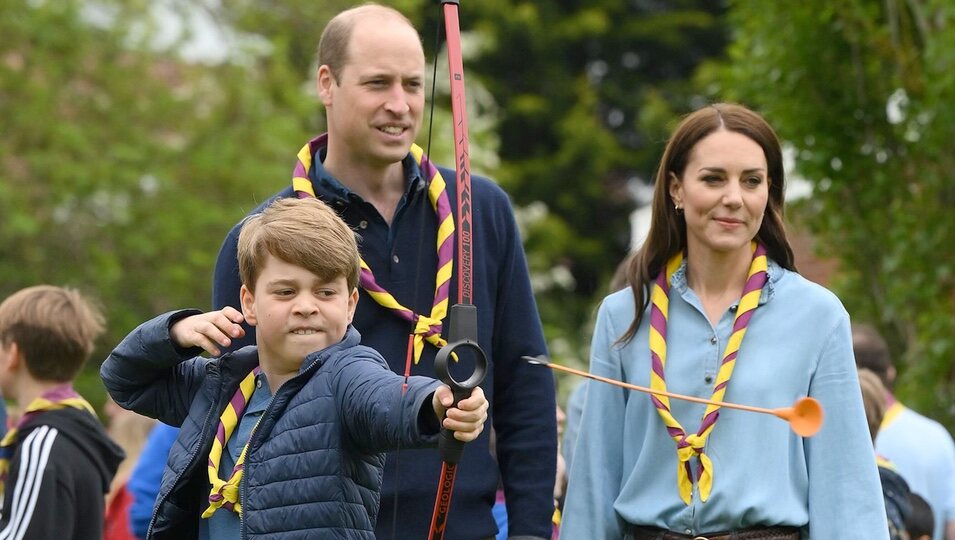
427,327
895,407
225,493
60,397
689,445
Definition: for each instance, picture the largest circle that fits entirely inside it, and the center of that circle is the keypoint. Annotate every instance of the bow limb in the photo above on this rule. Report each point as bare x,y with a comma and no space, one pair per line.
462,327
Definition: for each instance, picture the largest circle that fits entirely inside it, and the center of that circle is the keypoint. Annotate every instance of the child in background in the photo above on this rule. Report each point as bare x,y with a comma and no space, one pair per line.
57,461
894,489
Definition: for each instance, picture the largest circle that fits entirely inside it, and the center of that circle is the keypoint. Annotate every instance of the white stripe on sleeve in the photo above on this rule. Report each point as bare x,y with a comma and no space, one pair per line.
34,455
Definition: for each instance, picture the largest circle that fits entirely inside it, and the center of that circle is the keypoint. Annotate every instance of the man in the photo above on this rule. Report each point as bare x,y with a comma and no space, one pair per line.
920,448
371,82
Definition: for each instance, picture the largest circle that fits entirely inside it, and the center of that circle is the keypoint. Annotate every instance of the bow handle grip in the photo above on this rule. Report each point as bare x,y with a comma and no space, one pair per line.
463,334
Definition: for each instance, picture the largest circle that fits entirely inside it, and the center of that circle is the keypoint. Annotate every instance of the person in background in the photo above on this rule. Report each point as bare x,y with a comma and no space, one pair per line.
57,462
895,492
371,82
146,476
921,449
716,310
920,523
3,416
129,430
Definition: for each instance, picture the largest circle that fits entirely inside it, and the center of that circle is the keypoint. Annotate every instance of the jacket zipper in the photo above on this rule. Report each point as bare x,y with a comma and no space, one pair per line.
265,414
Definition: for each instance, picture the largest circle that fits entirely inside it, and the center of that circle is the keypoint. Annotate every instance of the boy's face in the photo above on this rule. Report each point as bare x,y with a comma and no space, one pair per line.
296,313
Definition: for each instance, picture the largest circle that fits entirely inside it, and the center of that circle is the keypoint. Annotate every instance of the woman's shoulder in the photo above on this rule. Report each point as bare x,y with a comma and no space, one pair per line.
617,309
791,285
617,301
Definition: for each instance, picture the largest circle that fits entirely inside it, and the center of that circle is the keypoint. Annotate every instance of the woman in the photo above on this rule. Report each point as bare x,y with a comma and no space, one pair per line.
717,263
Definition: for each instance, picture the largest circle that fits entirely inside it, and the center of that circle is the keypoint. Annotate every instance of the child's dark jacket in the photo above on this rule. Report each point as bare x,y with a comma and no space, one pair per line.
60,471
314,463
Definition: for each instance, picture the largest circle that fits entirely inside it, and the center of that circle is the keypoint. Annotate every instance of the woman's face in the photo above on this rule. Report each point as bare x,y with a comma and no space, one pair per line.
723,192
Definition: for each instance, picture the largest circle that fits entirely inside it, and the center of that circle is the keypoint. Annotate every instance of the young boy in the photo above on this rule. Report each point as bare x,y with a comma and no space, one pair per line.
57,462
286,439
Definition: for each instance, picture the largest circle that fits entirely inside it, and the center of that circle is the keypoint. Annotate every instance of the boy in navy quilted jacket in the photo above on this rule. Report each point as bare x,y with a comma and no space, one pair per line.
284,439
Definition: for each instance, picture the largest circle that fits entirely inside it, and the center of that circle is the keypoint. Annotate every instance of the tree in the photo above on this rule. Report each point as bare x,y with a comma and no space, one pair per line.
587,93
122,166
862,91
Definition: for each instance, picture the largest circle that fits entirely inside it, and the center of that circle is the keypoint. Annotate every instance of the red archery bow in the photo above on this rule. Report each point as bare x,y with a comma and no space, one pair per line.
462,330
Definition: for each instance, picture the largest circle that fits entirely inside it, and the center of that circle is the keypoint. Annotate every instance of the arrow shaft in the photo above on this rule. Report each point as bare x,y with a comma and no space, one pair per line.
673,395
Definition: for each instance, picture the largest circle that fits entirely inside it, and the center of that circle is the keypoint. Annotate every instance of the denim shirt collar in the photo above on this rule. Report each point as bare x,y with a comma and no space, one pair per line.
334,190
774,273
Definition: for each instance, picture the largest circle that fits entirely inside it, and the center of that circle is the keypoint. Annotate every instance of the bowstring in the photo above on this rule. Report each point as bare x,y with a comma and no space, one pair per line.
434,78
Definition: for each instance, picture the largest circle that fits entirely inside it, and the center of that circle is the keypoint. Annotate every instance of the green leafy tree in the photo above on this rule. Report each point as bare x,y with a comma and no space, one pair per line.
121,165
587,92
862,91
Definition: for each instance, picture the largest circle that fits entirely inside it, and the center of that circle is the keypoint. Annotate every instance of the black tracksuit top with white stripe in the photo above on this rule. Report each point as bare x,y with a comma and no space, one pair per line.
60,471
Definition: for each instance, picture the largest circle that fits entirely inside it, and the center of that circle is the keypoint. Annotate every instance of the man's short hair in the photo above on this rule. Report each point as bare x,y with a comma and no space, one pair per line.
54,328
871,351
303,232
333,45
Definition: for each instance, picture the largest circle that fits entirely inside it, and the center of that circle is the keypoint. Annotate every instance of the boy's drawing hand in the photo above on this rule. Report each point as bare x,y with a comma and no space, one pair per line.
208,330
467,419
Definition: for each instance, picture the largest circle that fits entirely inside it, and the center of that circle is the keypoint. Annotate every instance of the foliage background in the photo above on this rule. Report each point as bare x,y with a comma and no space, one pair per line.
124,158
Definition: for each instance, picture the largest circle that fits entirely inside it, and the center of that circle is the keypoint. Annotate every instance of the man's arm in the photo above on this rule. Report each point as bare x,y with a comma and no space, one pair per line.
524,398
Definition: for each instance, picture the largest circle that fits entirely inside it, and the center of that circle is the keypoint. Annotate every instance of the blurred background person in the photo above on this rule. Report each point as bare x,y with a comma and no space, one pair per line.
921,449
129,430
895,492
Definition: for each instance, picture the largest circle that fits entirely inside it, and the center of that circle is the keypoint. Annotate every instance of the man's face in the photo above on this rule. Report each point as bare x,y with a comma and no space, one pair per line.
375,106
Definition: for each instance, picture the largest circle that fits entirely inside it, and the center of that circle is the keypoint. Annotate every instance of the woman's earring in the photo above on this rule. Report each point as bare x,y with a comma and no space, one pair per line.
677,207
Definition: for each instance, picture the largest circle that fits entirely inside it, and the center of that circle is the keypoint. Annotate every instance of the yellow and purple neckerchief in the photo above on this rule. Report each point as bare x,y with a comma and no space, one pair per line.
689,445
60,397
427,327
225,493
892,412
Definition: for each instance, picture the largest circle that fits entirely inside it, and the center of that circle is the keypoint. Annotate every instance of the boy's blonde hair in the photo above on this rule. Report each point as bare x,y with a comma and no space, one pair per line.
303,232
54,328
873,399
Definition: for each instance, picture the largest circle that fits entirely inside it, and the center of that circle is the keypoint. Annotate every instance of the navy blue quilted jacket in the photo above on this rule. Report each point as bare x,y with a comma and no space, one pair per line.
314,464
